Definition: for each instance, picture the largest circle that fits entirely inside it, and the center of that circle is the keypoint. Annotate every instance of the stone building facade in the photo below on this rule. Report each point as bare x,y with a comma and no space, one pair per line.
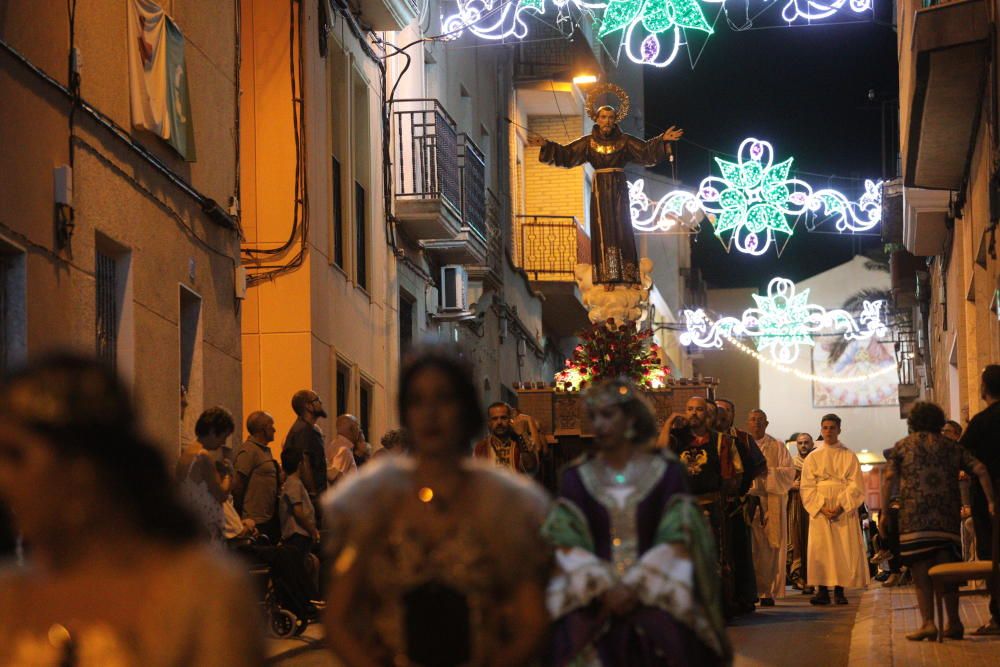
942,214
110,242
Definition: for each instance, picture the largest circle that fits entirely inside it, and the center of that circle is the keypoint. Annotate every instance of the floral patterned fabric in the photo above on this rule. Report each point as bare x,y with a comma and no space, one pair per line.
927,465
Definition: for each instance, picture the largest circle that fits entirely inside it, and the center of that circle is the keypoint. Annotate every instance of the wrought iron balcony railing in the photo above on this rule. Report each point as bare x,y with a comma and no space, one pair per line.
426,152
473,177
548,247
494,236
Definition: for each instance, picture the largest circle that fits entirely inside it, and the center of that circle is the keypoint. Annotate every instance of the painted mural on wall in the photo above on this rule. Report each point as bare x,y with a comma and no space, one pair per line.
856,358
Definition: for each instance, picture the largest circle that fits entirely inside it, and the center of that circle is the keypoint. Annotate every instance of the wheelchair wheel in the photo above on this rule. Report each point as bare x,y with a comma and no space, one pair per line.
300,626
283,623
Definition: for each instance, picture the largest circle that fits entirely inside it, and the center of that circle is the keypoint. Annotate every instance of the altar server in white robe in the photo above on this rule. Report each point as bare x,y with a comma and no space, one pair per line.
832,491
770,525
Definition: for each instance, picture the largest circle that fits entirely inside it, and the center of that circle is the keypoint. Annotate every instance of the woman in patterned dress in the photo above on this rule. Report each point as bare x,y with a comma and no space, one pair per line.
926,465
637,579
437,559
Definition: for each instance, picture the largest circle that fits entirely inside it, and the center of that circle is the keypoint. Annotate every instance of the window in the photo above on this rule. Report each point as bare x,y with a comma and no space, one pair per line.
107,309
406,303
337,204
365,408
361,237
343,384
113,307
190,351
13,335
339,66
362,149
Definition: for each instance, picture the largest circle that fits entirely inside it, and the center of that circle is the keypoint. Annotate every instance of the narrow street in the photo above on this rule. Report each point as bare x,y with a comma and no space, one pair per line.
793,632
868,631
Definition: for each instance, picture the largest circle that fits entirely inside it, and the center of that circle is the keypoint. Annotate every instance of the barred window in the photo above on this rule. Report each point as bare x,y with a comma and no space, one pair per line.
107,309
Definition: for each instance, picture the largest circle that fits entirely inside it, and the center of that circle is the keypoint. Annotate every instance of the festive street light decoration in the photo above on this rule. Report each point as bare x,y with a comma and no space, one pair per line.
754,199
815,10
643,24
782,322
652,31
679,209
652,18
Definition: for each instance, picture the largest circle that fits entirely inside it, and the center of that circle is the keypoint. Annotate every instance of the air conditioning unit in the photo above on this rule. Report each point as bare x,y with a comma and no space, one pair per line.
454,288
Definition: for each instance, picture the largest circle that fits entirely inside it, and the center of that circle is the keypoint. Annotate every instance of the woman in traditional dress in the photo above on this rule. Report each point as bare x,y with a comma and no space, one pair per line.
437,560
114,573
637,579
926,465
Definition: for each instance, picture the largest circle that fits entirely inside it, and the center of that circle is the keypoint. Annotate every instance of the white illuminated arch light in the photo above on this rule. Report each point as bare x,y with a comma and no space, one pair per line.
754,199
644,25
782,322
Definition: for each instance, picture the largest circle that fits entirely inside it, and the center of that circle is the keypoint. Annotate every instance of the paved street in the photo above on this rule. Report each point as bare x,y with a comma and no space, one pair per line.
868,632
793,632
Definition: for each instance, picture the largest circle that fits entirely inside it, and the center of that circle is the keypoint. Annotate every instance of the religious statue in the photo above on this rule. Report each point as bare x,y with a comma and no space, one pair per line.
608,150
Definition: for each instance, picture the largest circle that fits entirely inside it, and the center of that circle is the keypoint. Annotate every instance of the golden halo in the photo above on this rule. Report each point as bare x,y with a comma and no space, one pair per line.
601,89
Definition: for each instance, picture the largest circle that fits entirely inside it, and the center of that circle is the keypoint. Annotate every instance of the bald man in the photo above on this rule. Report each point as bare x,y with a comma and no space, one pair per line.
713,470
256,483
340,450
769,526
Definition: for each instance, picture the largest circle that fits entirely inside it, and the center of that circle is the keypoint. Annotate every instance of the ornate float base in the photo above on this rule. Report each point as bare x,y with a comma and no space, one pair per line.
562,417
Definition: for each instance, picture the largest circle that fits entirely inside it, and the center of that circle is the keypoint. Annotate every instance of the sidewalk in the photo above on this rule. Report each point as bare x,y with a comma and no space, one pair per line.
304,651
886,615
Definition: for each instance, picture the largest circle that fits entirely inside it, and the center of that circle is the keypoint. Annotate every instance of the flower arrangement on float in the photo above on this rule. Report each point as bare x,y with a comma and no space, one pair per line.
612,350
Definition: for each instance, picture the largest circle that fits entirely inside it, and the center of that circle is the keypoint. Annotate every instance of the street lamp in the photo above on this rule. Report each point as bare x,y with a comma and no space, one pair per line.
869,460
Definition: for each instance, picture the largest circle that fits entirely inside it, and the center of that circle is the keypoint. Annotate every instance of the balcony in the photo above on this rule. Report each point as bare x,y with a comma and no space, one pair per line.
548,248
491,272
925,221
387,15
469,244
949,49
892,211
554,55
428,181
903,269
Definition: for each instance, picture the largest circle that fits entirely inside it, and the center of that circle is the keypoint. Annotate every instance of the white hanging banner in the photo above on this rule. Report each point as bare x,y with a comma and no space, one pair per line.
158,87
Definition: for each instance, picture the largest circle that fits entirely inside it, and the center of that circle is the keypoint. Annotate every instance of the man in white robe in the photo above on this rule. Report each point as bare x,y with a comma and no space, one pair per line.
769,527
832,491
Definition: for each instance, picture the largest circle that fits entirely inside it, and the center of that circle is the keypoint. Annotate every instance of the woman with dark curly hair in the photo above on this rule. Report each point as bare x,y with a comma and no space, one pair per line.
116,574
926,466
637,580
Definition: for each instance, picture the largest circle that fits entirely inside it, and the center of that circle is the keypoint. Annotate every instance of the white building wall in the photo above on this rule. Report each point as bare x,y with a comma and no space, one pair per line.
788,400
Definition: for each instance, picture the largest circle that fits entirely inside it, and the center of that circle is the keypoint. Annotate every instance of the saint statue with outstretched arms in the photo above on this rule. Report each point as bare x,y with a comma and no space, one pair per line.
607,149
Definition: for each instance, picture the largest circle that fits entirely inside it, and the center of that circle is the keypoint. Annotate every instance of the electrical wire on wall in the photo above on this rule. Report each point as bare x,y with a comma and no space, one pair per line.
254,257
80,106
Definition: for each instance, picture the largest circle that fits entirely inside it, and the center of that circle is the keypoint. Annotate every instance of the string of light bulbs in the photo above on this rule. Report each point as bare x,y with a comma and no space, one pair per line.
802,375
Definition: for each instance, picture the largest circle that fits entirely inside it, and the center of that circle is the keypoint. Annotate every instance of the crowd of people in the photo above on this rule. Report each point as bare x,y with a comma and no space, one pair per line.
637,554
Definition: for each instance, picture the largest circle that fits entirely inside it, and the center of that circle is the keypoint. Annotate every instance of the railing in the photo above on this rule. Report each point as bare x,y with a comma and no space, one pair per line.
904,345
548,247
494,236
473,176
426,152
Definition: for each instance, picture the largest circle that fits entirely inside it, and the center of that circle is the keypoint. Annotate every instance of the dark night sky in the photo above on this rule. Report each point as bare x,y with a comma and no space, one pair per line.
803,89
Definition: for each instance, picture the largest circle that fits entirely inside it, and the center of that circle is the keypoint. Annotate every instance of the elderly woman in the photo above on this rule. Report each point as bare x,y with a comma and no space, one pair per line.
637,580
437,560
115,575
926,465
